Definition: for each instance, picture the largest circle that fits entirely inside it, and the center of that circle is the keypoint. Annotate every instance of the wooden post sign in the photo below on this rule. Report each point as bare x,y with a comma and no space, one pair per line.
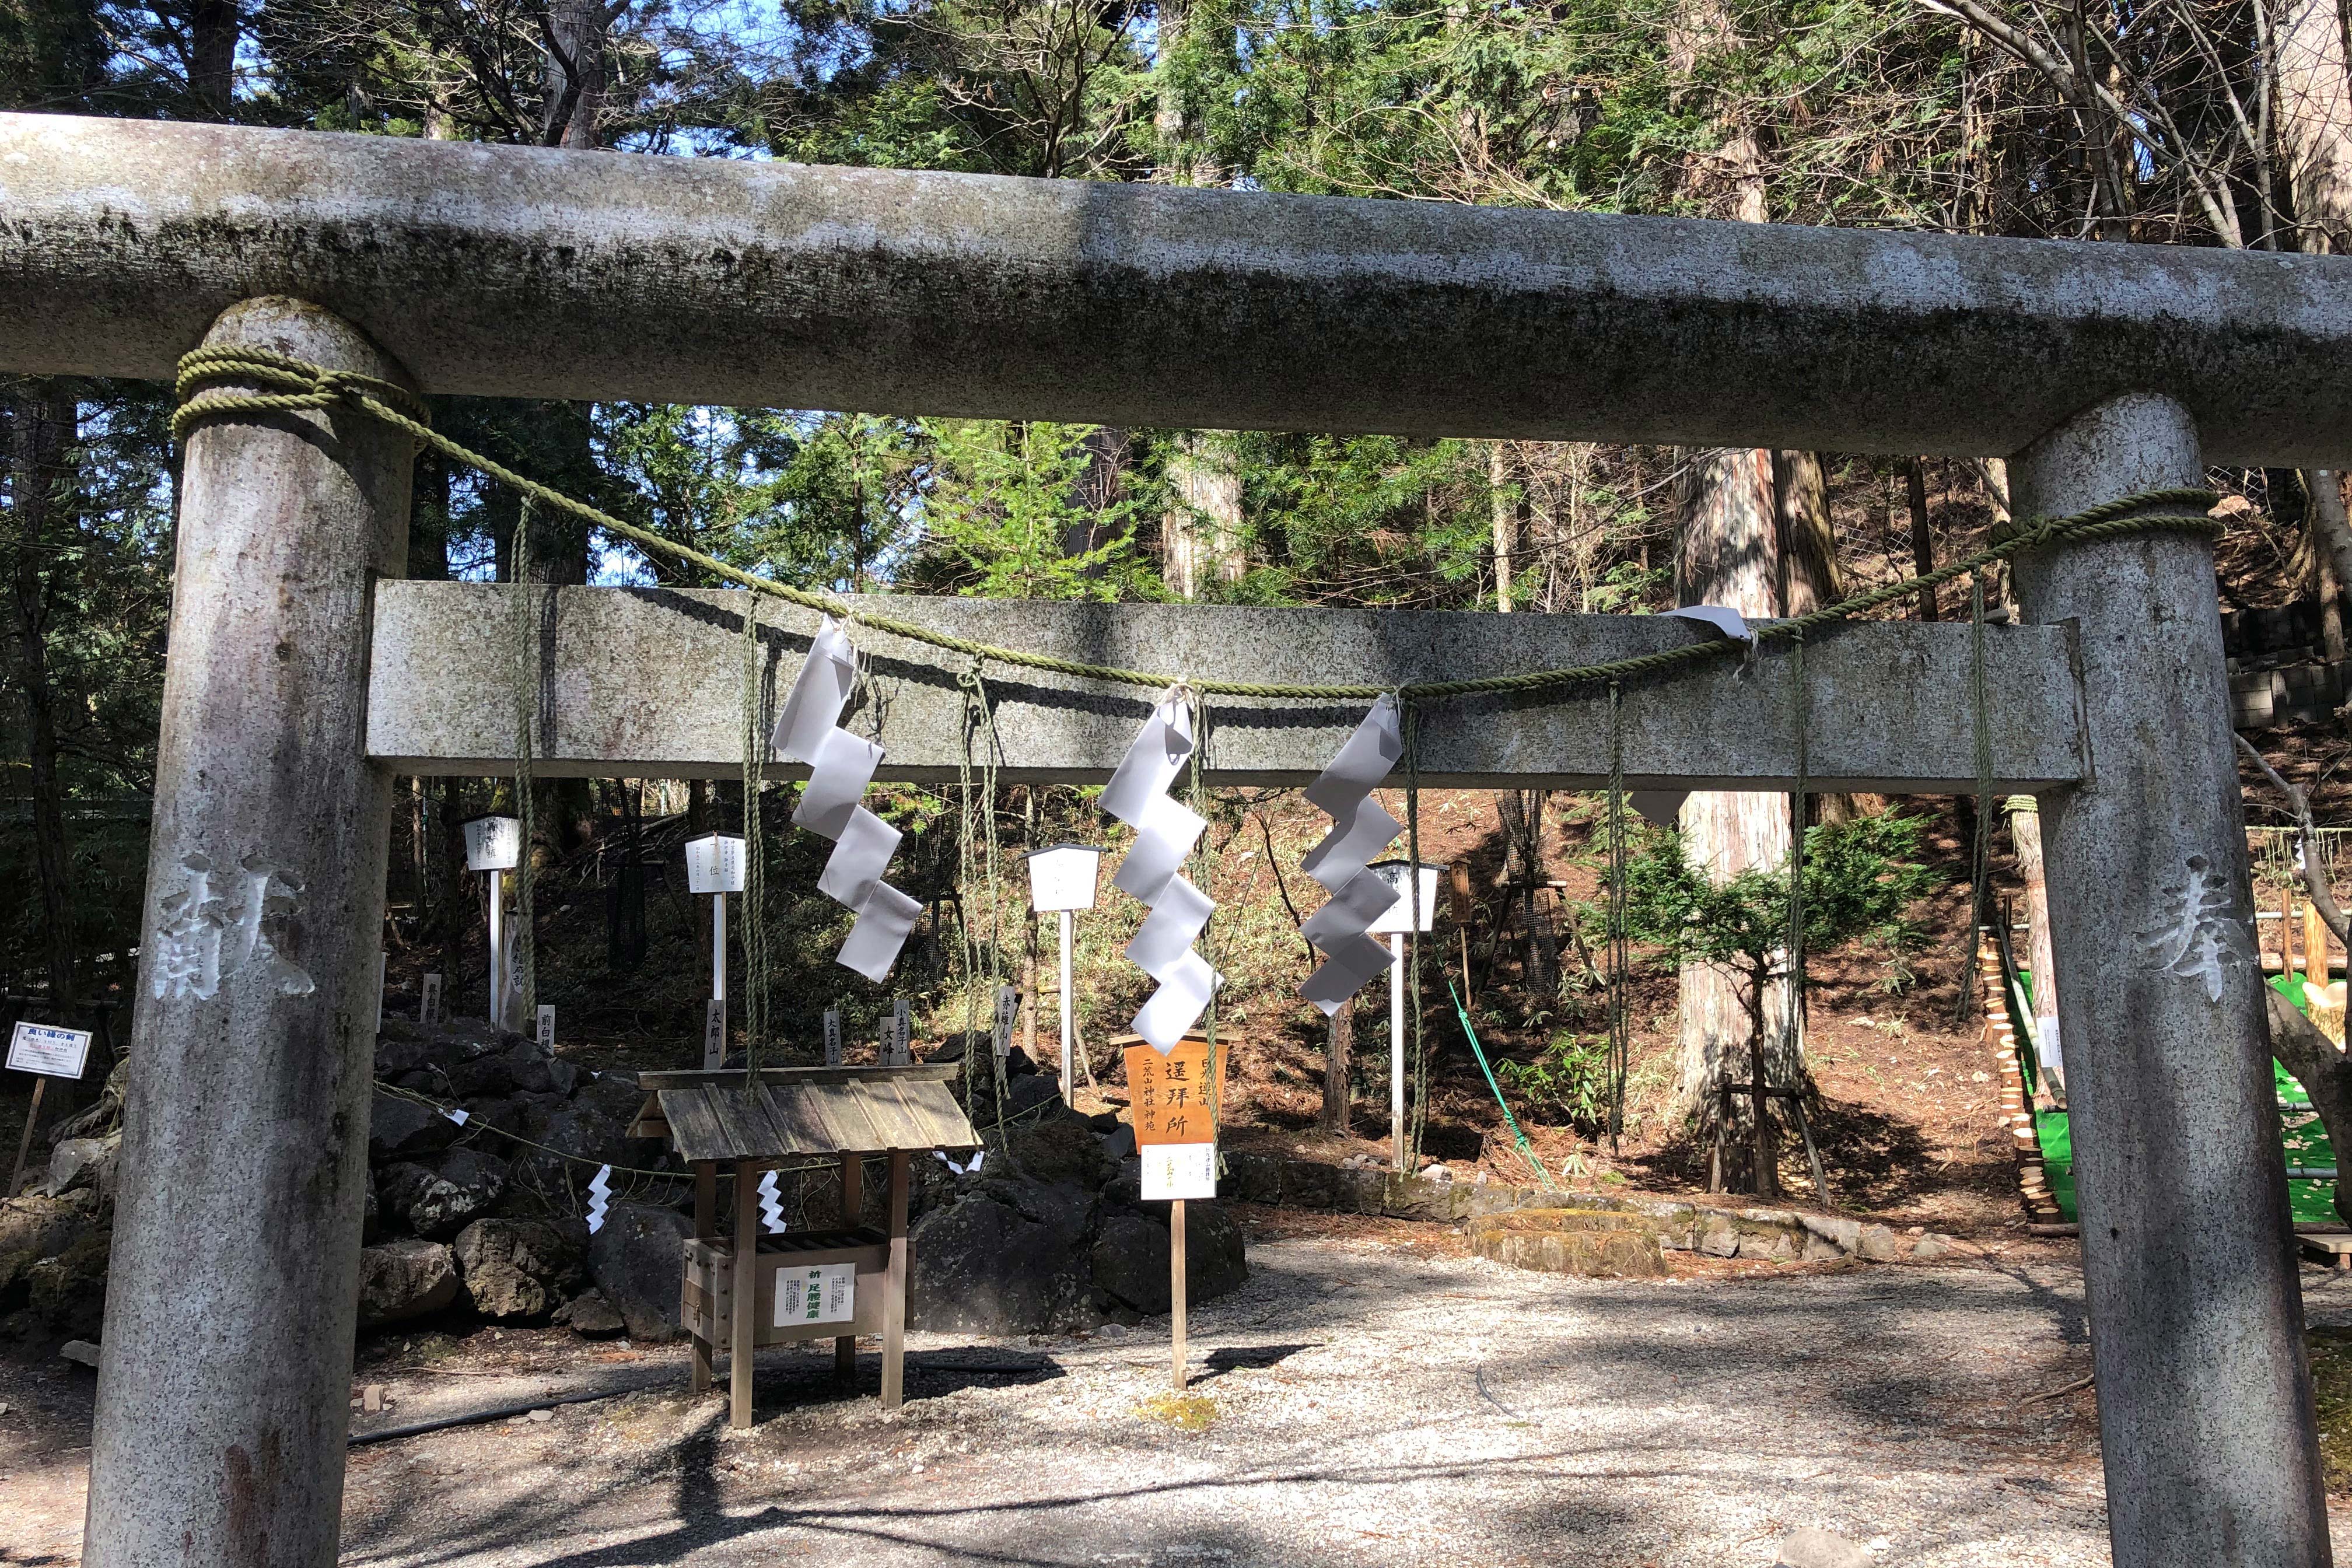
1173,1101
1008,1012
49,1052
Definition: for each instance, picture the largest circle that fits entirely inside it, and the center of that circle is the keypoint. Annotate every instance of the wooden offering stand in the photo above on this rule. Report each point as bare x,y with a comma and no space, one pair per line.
835,1284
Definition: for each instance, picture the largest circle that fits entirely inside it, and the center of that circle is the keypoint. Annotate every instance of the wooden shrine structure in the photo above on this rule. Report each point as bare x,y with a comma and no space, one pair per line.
305,675
852,1278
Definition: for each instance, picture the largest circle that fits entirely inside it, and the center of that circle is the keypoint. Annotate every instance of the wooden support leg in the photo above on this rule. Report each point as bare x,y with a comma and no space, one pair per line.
25,1144
744,1276
706,1228
1812,1155
1176,1288
894,1302
853,1194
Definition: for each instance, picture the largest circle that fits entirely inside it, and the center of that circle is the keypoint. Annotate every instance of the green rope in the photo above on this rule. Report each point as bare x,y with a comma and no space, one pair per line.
1203,870
1518,1137
522,985
1621,1045
1419,1109
1792,1025
200,388
1979,706
755,855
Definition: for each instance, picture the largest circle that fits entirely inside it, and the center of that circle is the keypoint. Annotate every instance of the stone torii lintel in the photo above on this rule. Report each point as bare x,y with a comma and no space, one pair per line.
649,683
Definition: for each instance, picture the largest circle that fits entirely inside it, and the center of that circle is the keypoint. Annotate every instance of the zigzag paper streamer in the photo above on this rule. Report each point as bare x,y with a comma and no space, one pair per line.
1165,832
840,767
600,1196
1359,830
771,1204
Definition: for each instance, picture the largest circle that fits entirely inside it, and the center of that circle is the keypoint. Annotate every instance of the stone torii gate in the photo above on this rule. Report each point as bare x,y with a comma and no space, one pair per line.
303,674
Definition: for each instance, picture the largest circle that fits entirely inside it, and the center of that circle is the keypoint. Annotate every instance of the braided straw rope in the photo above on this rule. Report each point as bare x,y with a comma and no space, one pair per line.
207,374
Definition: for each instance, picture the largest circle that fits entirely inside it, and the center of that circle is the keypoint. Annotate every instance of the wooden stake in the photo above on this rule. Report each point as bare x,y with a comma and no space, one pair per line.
1176,1288
744,1297
25,1144
853,1202
894,1302
706,1228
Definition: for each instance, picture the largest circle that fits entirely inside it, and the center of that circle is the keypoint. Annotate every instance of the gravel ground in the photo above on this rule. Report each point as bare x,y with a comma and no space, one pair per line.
1368,1399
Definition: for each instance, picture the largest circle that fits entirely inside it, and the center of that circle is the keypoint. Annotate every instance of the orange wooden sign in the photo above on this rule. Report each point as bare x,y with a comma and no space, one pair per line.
1169,1098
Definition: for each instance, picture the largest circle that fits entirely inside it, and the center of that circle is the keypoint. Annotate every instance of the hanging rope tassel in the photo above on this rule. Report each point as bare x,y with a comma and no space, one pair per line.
1621,1045
755,852
522,979
1980,710
1420,1108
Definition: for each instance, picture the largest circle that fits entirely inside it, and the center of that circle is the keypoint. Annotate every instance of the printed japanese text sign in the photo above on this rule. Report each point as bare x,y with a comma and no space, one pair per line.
52,1052
1169,1098
1172,1171
819,1294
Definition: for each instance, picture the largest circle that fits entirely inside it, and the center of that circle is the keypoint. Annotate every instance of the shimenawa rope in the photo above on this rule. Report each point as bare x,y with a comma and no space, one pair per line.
306,386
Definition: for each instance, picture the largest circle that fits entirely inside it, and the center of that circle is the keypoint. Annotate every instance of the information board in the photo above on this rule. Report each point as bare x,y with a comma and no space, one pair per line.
49,1051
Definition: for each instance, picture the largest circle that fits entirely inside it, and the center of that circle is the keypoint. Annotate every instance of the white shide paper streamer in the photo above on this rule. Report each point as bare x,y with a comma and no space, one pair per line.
771,1204
1165,832
840,766
600,1196
1359,830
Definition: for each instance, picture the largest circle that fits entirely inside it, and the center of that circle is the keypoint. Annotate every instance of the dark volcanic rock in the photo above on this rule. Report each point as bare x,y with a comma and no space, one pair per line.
1010,1256
516,1268
405,1278
638,1261
439,1200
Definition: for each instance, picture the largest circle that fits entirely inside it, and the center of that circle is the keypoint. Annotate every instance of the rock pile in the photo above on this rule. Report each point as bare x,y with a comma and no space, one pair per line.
457,1212
1052,1233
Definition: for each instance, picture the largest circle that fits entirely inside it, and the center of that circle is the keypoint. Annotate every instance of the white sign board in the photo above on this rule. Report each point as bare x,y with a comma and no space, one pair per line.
546,1026
51,1052
428,1008
833,1037
714,1035
493,844
1063,876
1008,1013
898,1043
715,865
1396,918
818,1293
1173,1170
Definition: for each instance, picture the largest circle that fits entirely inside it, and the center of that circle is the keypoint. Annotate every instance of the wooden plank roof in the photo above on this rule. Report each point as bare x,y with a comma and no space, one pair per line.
790,1115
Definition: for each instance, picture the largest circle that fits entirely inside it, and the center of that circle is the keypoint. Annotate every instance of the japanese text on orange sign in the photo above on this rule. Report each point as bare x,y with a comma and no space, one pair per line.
1170,1096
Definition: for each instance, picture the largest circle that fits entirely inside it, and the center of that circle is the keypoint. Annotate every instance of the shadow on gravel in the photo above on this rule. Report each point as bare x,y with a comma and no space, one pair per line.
1155,1517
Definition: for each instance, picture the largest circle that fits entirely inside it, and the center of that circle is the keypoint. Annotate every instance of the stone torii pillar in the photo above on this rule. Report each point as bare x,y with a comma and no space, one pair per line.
2188,1255
224,1385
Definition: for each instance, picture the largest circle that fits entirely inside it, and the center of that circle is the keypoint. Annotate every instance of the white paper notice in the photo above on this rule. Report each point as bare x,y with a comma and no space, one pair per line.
816,1293
1172,1171
841,765
1165,832
1360,829
51,1052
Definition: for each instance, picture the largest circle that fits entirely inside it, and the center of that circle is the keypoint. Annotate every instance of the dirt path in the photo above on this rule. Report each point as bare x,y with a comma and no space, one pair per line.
1364,1403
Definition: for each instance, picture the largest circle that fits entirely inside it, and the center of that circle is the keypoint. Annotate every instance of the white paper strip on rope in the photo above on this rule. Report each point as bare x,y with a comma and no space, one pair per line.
1165,832
600,1197
771,1204
1359,830
840,767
